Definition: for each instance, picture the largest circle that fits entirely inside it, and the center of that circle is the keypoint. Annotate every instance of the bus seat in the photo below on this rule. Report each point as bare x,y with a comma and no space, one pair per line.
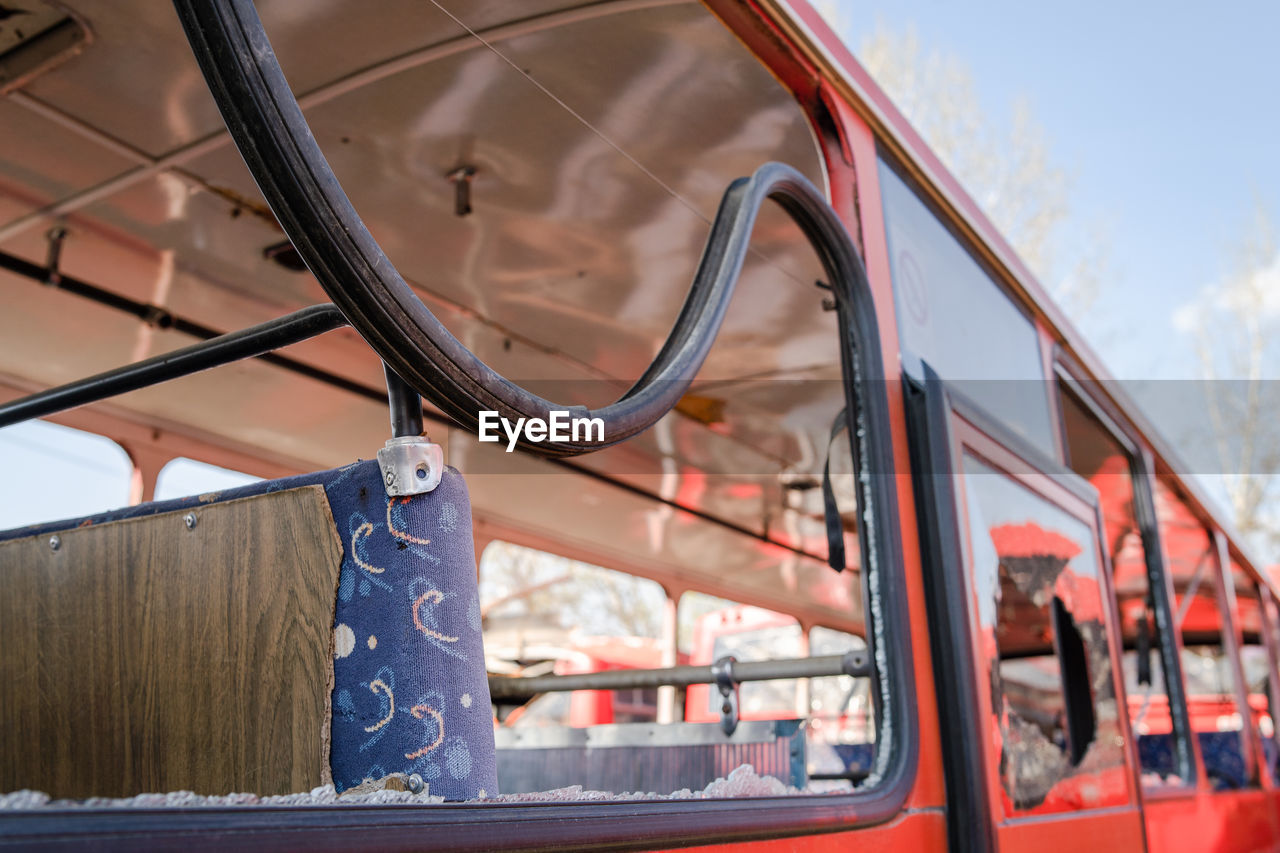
1156,754
315,595
1223,759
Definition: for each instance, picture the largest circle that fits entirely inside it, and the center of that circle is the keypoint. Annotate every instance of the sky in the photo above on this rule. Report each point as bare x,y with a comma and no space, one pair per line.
1164,114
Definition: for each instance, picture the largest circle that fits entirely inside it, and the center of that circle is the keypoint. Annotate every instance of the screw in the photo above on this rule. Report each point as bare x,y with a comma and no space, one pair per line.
55,542
391,477
415,784
190,520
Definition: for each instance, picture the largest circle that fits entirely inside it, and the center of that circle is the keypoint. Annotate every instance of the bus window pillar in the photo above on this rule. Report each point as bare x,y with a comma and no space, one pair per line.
147,462
1233,639
670,638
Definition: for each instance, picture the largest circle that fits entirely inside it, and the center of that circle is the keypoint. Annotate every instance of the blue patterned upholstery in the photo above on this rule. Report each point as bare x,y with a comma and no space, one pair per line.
410,691
856,756
1221,752
1156,755
1223,759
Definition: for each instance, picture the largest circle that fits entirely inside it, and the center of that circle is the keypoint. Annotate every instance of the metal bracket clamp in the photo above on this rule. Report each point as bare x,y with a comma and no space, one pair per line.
857,664
722,671
411,465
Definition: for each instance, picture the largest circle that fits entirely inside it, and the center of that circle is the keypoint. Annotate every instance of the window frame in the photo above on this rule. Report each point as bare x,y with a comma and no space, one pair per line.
938,414
1045,478
1232,640
1271,642
1069,377
632,824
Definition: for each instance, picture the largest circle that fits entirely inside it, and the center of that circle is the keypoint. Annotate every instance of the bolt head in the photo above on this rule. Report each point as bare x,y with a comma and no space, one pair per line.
415,784
55,542
190,520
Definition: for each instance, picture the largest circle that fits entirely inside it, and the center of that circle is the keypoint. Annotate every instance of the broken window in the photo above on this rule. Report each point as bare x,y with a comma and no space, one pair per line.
1040,611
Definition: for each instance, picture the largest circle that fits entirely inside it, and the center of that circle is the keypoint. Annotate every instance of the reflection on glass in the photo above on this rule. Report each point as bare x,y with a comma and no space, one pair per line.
1206,667
1036,578
1095,455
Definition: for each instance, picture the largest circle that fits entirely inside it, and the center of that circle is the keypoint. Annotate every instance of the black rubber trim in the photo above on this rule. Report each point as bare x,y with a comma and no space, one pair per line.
272,135
961,727
1144,506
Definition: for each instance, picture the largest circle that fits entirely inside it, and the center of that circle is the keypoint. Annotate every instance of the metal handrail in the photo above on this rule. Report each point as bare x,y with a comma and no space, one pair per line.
857,664
224,349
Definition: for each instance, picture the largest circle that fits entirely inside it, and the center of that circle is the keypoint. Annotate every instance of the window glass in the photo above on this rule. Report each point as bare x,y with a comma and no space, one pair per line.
542,613
952,315
1206,667
182,476
719,628
842,733
1257,664
548,615
1040,612
1095,455
55,472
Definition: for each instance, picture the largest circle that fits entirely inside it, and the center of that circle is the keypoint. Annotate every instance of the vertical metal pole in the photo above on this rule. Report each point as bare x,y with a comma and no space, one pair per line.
405,404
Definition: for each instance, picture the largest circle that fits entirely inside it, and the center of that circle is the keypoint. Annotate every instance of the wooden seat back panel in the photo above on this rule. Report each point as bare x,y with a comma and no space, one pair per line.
144,655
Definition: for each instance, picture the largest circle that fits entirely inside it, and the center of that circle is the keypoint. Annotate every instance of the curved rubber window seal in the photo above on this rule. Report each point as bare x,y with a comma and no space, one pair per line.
268,127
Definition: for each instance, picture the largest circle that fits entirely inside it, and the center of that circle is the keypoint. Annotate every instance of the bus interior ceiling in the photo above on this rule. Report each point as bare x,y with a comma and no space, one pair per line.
593,143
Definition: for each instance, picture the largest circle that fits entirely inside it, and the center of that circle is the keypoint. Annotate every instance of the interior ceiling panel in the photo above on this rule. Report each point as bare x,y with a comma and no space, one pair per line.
41,161
158,99
601,147
565,228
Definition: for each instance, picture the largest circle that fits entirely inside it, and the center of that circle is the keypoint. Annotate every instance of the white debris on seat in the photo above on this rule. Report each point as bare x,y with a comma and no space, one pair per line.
325,795
742,782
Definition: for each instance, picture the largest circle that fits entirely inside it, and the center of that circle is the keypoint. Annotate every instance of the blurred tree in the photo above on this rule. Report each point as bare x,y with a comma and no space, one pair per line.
1235,325
519,583
1008,168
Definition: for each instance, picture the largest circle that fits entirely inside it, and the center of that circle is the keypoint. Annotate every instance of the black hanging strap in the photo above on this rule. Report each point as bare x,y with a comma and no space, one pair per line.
835,524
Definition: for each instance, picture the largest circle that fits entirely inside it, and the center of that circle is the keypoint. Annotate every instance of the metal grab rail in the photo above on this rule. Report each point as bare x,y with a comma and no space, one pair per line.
268,126
224,349
857,664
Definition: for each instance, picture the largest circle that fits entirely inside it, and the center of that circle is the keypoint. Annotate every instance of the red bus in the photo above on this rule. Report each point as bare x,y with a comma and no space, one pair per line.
715,403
